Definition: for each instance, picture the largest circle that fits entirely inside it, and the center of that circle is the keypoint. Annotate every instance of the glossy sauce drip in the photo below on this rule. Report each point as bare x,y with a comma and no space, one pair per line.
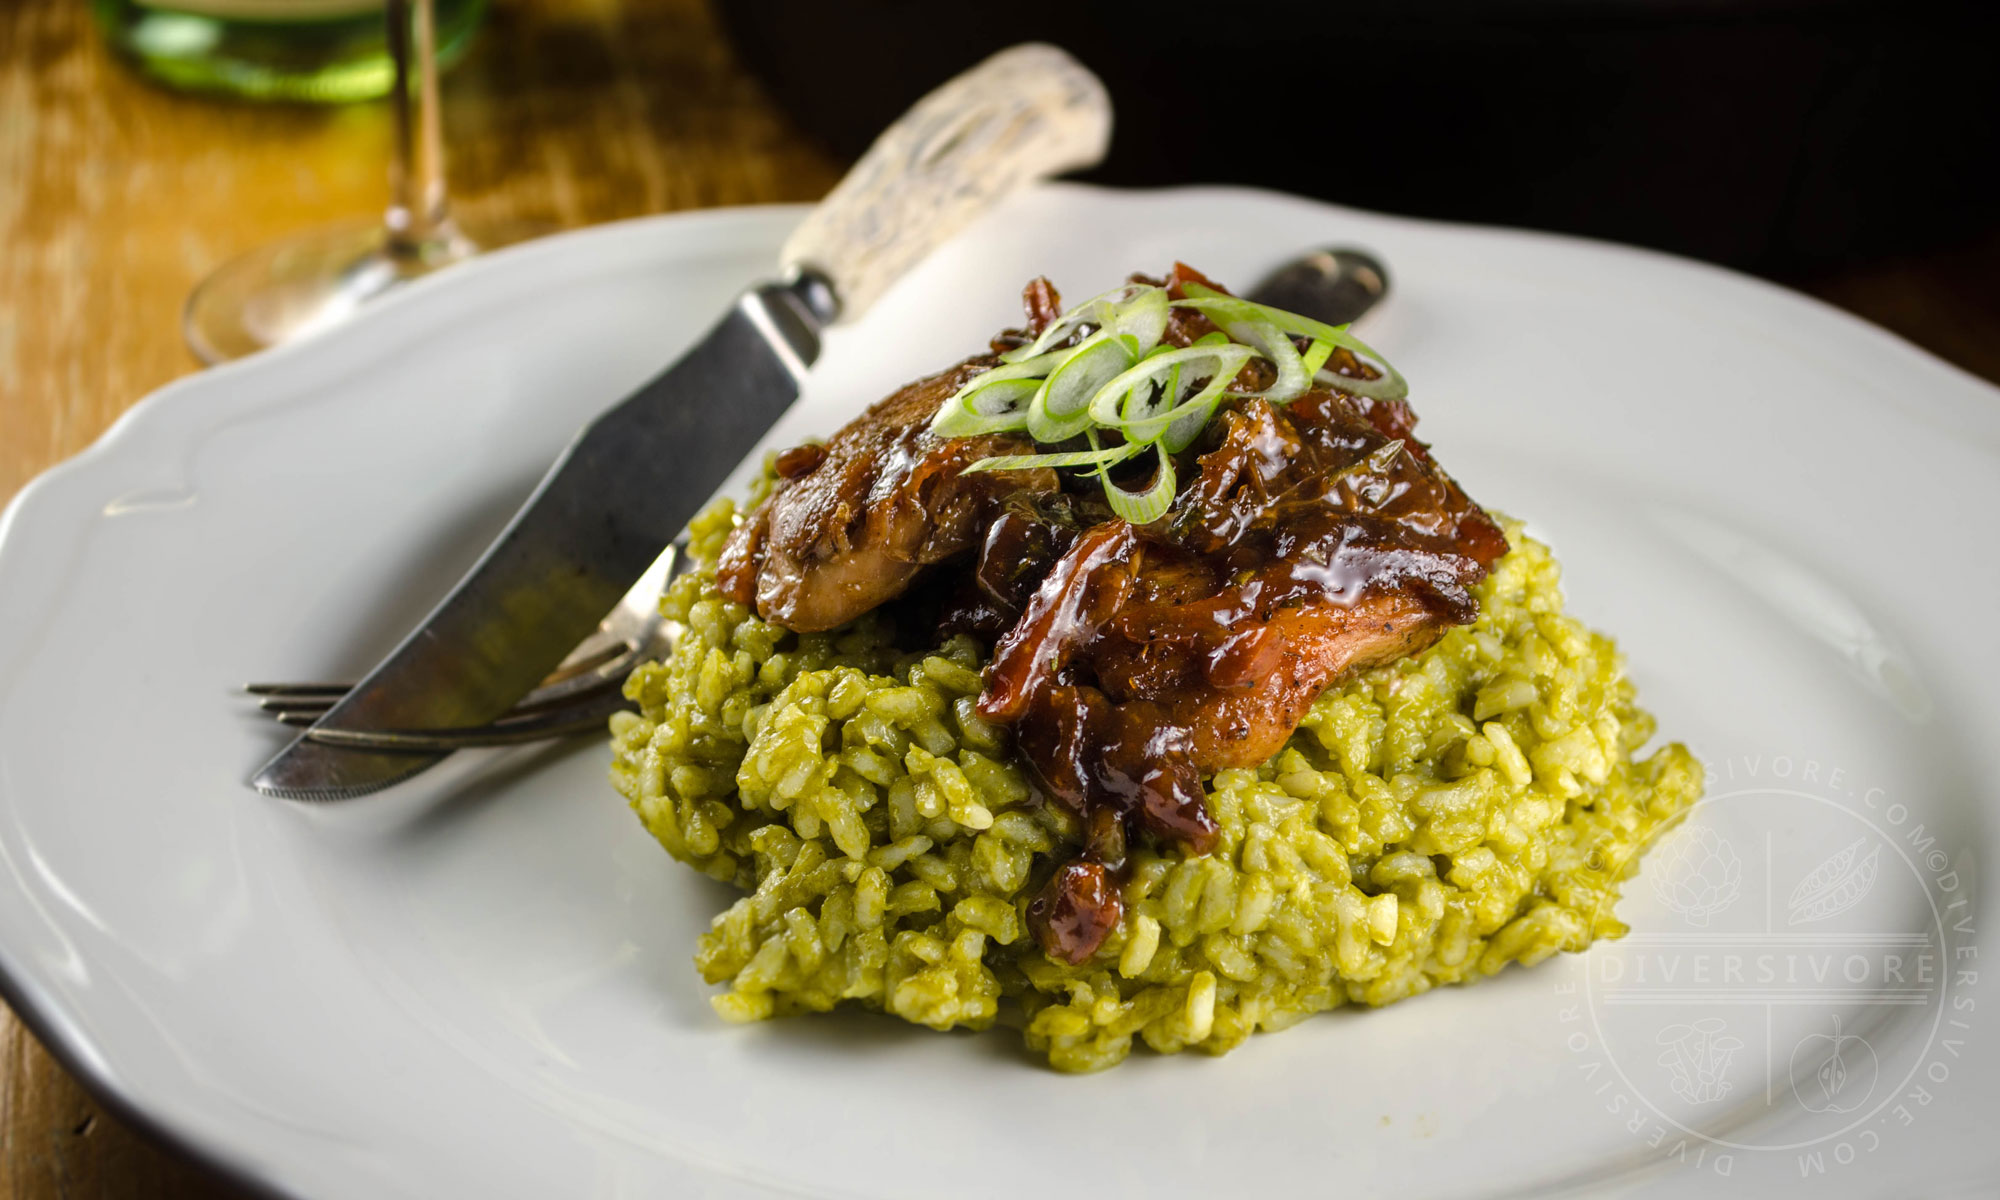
1309,545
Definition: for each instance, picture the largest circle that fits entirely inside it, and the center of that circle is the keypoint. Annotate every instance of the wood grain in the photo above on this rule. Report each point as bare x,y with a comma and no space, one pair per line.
115,197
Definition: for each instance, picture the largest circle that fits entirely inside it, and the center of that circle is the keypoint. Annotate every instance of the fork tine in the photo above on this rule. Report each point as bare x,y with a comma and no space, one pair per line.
305,708
290,703
280,696
508,731
297,689
581,661
578,696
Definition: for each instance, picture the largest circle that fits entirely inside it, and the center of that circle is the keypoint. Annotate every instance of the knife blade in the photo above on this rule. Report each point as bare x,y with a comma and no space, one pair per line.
624,488
634,477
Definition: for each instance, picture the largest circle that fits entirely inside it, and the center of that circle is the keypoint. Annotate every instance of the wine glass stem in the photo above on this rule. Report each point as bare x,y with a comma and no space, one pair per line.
419,216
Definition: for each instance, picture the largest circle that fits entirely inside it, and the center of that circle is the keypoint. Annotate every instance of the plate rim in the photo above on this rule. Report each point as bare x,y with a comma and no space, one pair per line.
52,1025
41,501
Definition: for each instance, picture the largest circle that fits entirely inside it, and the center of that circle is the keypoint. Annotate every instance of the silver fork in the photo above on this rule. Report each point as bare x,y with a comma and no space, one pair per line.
579,696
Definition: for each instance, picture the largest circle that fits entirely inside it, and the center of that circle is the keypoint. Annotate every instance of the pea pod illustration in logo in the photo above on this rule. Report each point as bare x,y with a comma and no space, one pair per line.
1834,886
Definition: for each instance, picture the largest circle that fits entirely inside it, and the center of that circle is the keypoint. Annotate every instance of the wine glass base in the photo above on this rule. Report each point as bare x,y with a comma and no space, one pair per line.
301,285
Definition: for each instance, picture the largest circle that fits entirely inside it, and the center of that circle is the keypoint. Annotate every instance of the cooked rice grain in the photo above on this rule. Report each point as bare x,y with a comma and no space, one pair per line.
1430,822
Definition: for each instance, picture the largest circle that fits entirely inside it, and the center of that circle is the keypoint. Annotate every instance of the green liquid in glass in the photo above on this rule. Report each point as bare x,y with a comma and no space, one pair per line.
317,51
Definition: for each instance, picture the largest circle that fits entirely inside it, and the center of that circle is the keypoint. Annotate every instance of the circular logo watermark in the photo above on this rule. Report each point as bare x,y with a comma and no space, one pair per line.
1797,983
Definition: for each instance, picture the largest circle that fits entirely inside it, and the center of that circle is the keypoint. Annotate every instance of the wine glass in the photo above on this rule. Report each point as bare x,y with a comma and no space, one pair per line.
303,284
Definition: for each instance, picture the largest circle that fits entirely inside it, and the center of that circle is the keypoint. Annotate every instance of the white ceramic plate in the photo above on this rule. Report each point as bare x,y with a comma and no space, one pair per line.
479,983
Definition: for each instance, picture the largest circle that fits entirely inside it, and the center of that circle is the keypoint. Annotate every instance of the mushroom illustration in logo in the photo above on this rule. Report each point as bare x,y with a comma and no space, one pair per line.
1699,875
1833,1072
1697,1057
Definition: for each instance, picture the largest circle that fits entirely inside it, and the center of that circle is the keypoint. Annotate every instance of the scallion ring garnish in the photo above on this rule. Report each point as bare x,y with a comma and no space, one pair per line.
1061,407
1144,508
1069,458
1141,410
994,401
1134,308
1224,310
1119,378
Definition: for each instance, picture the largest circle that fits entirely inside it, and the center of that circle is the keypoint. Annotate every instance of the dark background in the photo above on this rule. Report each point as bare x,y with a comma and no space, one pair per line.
1775,135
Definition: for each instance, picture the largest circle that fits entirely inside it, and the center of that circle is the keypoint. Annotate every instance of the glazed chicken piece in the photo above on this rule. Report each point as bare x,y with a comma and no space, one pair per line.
853,522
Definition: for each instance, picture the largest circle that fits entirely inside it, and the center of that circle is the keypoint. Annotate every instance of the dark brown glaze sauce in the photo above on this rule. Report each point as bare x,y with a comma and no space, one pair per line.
852,522
1308,543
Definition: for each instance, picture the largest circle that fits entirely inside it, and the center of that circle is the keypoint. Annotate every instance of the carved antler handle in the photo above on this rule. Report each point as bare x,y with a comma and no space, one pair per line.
1026,113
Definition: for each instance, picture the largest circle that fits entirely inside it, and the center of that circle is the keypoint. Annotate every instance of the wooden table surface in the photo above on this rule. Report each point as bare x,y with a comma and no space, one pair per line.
115,197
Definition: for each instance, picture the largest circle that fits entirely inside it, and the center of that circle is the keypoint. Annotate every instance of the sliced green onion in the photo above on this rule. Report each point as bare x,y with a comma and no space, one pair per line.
1109,408
1106,466
1071,458
1144,399
1061,406
1101,310
1224,310
1121,378
1391,386
1317,354
1143,318
1187,420
1276,345
1144,508
961,417
994,408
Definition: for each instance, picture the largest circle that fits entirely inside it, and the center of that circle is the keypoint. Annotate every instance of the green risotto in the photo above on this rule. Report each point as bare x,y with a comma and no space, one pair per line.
1431,821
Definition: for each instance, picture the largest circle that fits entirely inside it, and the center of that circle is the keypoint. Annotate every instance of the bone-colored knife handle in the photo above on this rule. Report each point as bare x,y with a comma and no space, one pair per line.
1026,113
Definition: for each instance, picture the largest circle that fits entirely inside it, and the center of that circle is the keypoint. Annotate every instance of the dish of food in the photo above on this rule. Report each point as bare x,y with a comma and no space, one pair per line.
479,983
975,721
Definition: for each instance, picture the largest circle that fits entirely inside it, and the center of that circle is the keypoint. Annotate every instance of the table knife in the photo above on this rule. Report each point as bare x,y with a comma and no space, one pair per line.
631,479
